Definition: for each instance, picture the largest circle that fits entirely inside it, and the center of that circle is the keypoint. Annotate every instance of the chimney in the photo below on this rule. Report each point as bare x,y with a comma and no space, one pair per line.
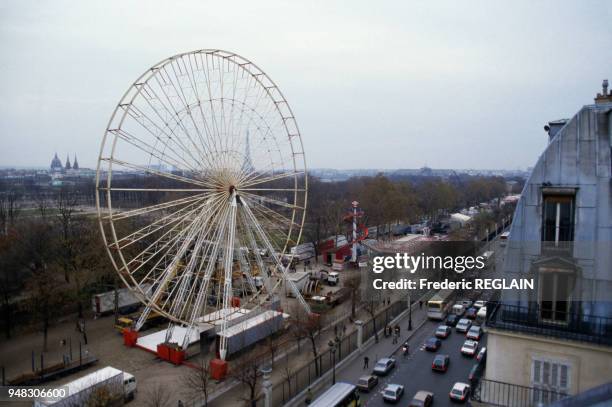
552,128
604,96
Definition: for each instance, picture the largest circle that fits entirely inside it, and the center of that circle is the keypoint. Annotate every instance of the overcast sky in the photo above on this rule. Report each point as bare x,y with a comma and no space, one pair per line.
372,84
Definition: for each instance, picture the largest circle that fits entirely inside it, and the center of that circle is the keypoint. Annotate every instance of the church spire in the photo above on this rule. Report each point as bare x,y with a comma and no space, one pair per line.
75,163
68,162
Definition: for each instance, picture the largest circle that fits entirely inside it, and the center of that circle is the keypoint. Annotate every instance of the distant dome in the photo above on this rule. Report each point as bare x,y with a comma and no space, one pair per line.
56,164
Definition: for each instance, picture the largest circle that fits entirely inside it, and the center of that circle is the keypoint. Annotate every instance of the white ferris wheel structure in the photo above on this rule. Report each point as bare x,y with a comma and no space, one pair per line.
202,188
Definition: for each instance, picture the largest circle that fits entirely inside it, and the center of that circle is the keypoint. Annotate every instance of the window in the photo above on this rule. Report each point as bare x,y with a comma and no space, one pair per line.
555,296
558,220
550,379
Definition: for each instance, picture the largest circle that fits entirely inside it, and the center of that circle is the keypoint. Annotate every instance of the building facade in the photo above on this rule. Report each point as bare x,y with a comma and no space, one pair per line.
556,340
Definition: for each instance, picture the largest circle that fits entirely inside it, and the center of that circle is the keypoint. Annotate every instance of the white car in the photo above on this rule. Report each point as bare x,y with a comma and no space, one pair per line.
469,348
474,333
482,354
463,325
480,303
393,392
459,392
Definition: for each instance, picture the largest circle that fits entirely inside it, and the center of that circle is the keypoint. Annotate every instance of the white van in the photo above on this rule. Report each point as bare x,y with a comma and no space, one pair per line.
458,309
481,315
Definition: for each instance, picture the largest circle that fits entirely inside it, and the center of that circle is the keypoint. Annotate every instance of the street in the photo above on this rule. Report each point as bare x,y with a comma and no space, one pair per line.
414,371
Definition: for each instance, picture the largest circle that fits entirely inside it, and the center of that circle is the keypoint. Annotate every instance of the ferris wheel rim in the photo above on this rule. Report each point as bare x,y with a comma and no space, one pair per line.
149,74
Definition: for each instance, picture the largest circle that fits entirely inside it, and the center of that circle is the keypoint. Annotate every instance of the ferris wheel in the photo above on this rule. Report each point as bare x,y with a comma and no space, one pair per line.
201,187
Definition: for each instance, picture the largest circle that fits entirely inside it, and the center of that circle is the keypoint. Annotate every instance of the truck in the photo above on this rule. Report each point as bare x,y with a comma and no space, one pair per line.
250,331
128,321
109,383
299,278
104,303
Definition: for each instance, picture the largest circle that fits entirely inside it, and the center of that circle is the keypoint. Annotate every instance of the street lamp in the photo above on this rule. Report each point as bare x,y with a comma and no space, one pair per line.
332,346
409,311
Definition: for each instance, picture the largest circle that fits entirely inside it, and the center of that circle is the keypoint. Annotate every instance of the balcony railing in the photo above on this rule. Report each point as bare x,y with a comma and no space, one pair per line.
574,326
494,393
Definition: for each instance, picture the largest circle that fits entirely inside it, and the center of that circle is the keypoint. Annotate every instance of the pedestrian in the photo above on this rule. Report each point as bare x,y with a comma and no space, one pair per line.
366,361
308,398
180,404
420,304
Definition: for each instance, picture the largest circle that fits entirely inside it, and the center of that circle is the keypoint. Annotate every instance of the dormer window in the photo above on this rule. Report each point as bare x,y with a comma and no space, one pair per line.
558,220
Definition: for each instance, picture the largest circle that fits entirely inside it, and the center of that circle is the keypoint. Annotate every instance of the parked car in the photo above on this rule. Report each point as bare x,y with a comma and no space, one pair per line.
475,372
480,303
440,363
443,331
393,392
466,303
367,383
482,355
422,398
433,344
474,333
463,325
452,320
459,392
471,313
458,309
384,366
469,348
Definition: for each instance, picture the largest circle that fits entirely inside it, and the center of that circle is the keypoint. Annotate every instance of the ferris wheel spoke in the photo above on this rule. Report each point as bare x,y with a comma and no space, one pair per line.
163,174
274,189
157,207
276,258
170,271
146,122
264,198
256,181
158,189
157,225
174,160
153,249
173,113
255,248
280,221
187,275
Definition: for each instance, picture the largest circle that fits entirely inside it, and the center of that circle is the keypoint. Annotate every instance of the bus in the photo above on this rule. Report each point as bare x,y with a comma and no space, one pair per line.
339,395
439,305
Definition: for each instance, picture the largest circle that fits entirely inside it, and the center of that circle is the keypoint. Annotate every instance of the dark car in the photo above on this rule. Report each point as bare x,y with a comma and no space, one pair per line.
440,363
443,331
433,344
367,383
476,372
452,320
471,313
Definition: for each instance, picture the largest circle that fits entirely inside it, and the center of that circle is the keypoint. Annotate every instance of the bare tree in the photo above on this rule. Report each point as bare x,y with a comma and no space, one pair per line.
197,381
353,283
309,327
370,305
158,395
248,372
